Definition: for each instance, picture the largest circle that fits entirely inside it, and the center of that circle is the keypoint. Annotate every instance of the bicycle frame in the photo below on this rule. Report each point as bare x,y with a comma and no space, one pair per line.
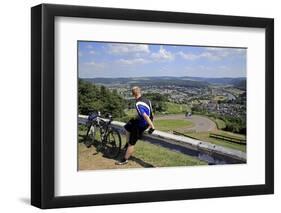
103,124
98,125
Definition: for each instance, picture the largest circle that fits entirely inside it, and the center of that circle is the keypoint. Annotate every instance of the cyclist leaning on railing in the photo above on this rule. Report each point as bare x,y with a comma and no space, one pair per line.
136,126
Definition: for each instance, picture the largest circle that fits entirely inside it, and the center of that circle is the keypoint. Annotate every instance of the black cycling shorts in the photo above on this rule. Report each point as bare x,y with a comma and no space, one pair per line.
135,130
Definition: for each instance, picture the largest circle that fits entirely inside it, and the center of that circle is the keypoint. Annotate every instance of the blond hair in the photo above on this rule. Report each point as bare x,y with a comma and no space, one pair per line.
136,91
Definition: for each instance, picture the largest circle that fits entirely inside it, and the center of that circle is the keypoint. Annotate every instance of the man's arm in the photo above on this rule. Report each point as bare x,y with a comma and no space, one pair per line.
148,120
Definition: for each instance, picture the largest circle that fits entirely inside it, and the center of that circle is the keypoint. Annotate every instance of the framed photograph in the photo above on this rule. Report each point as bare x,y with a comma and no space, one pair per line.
139,106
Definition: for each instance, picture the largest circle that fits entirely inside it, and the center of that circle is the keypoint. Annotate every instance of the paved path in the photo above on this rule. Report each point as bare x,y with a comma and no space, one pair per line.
201,123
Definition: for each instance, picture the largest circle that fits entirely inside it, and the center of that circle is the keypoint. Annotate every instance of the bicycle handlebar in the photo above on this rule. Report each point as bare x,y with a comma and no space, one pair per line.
94,116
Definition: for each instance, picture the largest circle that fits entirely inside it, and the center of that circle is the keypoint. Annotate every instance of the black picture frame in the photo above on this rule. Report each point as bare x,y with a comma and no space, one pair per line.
43,102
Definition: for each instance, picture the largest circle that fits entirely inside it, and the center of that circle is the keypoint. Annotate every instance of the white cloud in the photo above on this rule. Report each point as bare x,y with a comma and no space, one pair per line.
162,55
226,52
95,65
133,61
139,54
207,55
218,71
139,58
189,56
120,49
82,53
89,46
213,54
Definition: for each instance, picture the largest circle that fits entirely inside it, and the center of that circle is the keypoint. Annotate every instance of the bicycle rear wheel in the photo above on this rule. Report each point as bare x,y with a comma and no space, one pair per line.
112,146
93,136
89,137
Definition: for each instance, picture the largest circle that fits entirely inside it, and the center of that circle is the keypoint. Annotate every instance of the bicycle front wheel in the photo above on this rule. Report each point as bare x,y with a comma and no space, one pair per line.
113,143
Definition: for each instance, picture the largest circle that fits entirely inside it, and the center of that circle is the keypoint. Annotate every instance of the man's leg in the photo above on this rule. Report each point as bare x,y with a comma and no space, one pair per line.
127,136
127,140
129,151
131,138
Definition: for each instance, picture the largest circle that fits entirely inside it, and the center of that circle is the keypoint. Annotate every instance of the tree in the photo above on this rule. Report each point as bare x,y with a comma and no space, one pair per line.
158,101
99,98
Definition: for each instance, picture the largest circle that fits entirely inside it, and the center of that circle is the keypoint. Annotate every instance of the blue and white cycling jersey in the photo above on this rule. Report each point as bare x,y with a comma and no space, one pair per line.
143,106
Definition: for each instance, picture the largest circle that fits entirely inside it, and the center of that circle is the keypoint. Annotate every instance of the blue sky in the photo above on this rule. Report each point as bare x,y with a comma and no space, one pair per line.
104,59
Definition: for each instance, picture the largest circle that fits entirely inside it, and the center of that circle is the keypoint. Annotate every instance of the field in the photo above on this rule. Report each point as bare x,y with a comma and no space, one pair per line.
220,123
219,98
230,134
173,108
234,91
204,136
172,124
130,112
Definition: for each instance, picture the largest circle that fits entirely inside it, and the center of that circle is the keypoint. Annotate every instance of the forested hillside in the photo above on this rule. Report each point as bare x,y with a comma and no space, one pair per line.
99,98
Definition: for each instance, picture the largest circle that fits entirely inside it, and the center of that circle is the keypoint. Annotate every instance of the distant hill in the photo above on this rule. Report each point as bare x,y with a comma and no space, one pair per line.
145,81
231,81
166,80
241,84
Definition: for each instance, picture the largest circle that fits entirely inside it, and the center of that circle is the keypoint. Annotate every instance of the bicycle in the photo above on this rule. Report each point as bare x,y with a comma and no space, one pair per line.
109,139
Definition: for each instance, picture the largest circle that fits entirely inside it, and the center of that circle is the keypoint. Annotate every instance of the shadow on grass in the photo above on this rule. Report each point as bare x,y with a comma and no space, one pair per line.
141,162
99,148
102,150
81,138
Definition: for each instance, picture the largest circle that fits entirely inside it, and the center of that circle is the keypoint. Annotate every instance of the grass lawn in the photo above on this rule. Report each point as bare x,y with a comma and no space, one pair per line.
235,91
173,108
171,124
231,134
204,136
131,112
219,98
162,157
220,123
